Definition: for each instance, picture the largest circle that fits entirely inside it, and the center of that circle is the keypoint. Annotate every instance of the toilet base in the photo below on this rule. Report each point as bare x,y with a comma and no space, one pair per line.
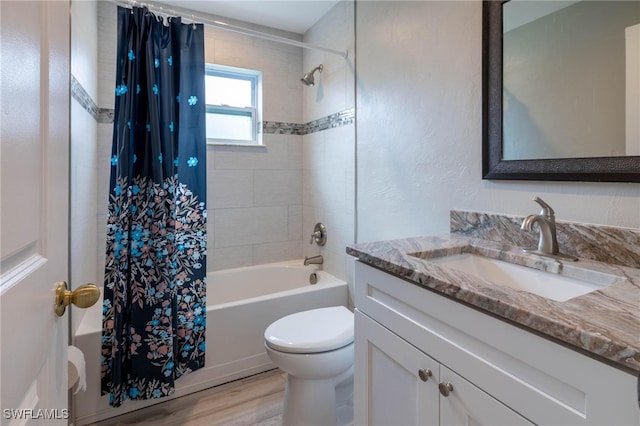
309,402
313,402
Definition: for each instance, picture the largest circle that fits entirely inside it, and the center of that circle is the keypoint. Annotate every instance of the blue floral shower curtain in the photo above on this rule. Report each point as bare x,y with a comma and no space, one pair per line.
155,274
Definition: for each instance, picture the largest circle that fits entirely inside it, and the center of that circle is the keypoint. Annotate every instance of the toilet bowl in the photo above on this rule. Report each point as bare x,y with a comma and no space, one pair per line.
315,349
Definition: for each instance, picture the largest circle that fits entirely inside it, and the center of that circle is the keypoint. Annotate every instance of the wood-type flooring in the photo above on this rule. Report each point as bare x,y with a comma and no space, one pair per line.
255,400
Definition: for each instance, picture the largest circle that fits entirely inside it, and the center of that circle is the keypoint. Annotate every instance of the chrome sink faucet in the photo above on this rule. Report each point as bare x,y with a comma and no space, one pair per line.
548,242
313,260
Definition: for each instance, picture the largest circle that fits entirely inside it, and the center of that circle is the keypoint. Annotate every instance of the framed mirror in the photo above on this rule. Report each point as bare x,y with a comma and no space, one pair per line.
561,90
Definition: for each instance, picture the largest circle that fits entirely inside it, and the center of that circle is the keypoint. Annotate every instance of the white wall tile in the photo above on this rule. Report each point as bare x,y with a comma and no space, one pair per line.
229,188
295,223
107,51
103,169
277,187
329,155
336,83
276,252
273,156
229,257
311,196
294,143
282,98
255,225
83,153
84,46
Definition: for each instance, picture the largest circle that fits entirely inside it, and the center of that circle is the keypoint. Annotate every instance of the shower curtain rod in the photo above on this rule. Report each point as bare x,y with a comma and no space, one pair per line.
168,11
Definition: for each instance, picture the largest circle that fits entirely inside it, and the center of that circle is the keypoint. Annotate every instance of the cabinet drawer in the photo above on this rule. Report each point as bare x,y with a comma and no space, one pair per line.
541,380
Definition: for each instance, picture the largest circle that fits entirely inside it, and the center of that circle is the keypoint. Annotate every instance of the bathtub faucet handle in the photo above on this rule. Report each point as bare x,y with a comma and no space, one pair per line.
314,235
319,234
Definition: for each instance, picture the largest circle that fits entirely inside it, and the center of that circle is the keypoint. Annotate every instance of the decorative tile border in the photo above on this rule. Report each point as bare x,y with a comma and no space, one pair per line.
84,99
105,115
339,119
279,128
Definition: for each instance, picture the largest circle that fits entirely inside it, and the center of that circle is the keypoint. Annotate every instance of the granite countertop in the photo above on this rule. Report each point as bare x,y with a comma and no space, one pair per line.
604,324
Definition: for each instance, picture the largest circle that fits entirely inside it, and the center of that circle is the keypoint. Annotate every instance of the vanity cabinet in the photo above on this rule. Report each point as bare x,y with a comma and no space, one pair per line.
499,373
397,384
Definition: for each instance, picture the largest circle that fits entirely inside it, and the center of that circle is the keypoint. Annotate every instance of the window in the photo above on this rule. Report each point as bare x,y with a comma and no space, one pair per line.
232,105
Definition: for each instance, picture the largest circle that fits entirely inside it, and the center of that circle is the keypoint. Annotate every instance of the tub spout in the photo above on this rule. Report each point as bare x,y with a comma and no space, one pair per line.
313,260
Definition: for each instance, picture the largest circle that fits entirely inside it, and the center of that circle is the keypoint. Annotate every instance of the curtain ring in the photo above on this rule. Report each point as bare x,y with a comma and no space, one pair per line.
193,21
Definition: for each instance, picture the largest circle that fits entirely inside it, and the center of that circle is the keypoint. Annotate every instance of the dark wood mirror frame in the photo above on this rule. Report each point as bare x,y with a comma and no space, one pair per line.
596,169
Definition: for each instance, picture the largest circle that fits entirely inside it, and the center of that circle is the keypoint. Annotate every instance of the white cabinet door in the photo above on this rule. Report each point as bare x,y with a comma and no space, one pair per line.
34,119
465,404
388,388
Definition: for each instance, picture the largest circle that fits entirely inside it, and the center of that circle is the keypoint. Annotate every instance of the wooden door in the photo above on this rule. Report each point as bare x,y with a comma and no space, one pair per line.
34,182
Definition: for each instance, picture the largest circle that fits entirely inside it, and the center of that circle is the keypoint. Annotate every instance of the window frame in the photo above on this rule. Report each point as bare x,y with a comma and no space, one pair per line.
255,78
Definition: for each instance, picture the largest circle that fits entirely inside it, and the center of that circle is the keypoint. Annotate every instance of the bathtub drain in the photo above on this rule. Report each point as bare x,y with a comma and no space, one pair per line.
313,278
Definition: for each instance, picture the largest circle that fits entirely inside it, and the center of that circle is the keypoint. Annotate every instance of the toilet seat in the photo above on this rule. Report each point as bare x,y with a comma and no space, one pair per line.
314,331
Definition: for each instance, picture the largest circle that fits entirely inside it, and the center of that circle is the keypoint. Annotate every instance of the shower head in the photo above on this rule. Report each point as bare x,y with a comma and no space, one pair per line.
307,79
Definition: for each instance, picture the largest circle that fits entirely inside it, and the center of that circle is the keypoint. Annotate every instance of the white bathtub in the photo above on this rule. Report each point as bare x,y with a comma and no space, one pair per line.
241,303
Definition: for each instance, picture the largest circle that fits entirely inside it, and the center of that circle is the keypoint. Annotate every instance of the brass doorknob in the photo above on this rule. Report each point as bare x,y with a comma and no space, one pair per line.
83,297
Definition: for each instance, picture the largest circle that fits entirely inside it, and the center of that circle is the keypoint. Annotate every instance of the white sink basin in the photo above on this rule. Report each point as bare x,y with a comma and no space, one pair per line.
545,284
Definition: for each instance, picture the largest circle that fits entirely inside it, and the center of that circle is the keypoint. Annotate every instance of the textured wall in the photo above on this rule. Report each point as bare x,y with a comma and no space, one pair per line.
419,109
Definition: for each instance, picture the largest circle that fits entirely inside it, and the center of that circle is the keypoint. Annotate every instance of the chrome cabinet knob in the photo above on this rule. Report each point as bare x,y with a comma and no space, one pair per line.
445,388
424,374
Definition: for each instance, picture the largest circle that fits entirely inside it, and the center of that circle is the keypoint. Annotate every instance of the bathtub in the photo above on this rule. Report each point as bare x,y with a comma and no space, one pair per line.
241,303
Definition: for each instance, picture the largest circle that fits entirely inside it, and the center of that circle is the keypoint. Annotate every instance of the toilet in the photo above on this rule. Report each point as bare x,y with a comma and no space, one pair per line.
315,349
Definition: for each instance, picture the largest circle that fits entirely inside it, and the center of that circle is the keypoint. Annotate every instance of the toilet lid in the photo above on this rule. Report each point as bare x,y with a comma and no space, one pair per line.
317,330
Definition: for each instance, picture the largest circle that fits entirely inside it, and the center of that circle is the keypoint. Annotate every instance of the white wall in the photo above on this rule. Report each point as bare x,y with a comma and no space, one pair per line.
84,42
329,155
419,109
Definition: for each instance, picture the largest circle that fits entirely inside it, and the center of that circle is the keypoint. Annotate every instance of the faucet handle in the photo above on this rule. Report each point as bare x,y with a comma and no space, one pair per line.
314,235
546,208
319,234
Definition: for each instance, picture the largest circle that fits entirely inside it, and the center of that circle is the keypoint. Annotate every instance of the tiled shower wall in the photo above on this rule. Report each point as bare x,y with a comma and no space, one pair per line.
329,156
255,194
83,176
